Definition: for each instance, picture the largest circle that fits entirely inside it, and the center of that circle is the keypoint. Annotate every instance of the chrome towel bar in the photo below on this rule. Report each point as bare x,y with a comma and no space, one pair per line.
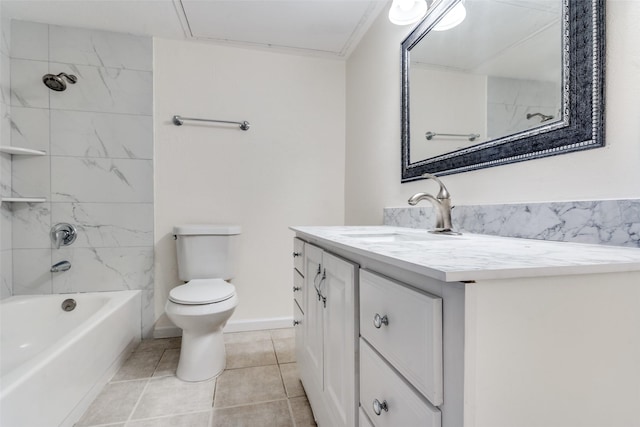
179,121
470,136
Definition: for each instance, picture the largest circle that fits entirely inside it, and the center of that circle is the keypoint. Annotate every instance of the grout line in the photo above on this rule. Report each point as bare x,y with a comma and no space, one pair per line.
133,410
293,419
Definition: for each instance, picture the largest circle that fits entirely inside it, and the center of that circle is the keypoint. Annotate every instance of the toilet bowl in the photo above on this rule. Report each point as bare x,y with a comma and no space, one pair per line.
202,306
201,309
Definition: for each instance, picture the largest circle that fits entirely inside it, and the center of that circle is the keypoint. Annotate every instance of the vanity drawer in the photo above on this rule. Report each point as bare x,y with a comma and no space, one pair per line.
404,326
299,291
404,407
298,255
298,329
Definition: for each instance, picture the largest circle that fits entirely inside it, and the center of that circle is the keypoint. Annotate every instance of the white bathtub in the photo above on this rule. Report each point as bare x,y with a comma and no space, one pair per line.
53,362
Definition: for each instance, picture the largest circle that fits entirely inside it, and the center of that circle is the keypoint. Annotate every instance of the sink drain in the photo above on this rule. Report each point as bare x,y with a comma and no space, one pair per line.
68,304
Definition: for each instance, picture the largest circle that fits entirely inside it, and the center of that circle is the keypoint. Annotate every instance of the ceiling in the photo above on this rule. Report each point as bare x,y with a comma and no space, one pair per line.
319,27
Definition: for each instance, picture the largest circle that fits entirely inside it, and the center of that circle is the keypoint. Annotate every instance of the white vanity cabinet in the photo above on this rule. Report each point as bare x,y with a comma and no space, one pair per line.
327,357
475,331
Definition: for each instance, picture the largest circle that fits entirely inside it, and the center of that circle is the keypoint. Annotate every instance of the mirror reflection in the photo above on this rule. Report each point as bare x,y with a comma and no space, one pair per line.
496,74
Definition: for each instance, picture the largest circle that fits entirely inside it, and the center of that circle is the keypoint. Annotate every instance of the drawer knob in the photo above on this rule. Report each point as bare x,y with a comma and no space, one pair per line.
296,254
378,320
296,322
296,288
379,407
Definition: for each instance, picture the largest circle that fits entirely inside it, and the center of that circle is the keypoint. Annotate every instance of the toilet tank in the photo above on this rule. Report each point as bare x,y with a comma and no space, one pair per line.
206,251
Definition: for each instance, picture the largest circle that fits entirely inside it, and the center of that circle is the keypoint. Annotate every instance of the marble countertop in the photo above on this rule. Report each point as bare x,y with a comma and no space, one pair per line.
472,257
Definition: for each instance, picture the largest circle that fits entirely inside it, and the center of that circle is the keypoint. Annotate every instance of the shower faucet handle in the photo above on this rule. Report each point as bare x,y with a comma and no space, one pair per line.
63,234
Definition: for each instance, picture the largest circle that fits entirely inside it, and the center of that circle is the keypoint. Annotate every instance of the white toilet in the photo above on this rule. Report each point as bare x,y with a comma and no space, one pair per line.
202,306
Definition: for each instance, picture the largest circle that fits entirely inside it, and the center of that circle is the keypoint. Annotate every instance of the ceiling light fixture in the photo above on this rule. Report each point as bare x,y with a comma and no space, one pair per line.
453,18
405,12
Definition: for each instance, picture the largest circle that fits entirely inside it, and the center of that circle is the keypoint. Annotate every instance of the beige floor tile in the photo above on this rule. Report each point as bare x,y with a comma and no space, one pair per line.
171,396
168,363
114,403
247,354
198,419
249,385
285,350
159,344
278,334
250,336
270,414
291,378
139,365
301,410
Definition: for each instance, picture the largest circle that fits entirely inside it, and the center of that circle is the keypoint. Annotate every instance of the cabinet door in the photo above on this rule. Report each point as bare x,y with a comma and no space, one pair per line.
311,368
340,338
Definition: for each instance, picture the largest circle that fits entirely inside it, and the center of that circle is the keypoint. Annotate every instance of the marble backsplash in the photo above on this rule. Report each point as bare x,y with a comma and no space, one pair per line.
606,222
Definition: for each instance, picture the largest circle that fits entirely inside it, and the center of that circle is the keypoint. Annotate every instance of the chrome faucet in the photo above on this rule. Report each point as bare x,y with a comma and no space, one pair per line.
60,266
441,203
63,234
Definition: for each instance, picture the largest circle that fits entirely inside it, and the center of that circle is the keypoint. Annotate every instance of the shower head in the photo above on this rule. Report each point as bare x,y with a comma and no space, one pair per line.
57,83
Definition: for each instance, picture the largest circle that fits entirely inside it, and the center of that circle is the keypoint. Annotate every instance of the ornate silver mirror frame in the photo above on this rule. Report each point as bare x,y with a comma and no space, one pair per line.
582,124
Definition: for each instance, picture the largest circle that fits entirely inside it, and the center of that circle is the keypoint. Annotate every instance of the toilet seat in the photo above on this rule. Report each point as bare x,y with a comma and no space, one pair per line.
202,291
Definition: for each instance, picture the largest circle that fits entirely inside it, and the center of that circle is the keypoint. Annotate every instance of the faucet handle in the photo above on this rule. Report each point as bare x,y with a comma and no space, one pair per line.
63,234
443,193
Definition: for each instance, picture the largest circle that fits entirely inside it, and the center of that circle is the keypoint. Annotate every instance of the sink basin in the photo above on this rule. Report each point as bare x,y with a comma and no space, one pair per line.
395,237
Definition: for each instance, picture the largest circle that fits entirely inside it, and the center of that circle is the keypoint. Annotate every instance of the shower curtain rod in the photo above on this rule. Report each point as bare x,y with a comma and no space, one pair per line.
179,121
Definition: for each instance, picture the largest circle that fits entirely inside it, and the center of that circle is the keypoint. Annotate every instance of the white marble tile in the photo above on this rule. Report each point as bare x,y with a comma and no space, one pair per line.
501,90
77,179
100,48
102,225
5,33
5,125
103,269
88,134
31,225
6,273
31,176
5,79
29,40
6,216
27,89
30,128
5,174
31,273
110,90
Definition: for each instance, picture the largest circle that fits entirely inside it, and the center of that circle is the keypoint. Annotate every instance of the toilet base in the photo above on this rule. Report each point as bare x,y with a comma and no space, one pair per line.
202,356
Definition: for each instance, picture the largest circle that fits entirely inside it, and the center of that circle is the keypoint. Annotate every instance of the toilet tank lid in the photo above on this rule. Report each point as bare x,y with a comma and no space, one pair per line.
207,229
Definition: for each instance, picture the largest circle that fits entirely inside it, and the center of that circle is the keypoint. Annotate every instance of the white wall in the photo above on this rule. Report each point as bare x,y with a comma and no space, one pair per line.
373,133
288,169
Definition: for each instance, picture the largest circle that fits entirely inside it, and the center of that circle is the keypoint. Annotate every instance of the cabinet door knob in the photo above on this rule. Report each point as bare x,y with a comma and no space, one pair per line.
379,321
296,288
379,407
296,322
295,254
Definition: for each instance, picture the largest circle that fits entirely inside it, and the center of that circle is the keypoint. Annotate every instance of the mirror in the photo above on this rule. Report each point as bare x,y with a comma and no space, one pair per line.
516,80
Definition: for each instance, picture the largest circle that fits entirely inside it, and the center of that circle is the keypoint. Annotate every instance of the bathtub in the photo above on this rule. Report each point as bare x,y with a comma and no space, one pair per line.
55,362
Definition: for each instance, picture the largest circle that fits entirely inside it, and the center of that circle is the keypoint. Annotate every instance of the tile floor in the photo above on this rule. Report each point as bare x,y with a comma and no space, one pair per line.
260,387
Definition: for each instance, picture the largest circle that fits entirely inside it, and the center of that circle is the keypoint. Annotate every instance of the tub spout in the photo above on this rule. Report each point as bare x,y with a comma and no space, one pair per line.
60,266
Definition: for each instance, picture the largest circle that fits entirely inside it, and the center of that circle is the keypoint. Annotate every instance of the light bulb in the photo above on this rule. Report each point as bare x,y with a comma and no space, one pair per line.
405,12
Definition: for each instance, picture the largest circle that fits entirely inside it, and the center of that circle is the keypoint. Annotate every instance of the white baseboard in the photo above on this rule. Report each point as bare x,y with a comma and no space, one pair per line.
259,324
164,328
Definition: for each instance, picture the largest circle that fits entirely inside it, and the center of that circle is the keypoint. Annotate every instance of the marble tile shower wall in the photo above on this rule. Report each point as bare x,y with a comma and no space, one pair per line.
99,171
5,159
605,222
